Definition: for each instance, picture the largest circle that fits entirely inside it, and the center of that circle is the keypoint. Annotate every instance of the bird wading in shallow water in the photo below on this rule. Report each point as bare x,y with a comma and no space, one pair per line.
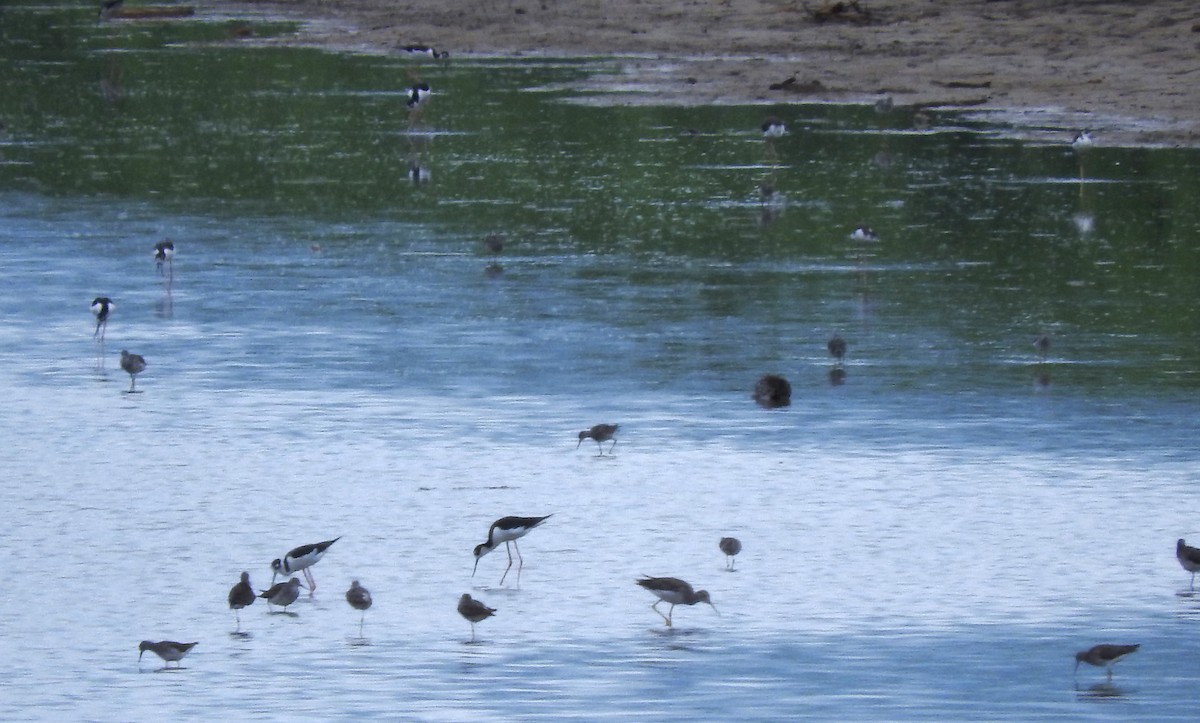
300,559
674,591
837,348
1189,558
282,593
241,595
1103,656
474,611
731,546
169,650
360,599
506,530
601,433
772,391
133,364
102,306
164,254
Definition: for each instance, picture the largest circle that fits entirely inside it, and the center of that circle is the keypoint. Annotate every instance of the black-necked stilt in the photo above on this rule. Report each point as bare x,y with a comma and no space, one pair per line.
417,95
1189,557
773,128
425,50
360,599
864,233
164,253
1042,344
300,559
1103,656
837,347
241,595
506,530
494,242
133,364
1082,141
676,592
772,391
474,611
601,433
102,306
282,593
168,650
731,546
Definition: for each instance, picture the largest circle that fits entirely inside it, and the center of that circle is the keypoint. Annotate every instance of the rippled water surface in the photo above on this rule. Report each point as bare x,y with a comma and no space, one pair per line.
930,530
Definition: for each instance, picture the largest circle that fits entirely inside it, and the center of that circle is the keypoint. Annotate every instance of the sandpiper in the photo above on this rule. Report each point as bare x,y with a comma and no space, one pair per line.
601,433
772,391
133,364
102,306
417,95
426,50
360,599
241,595
731,546
1103,656
300,559
837,348
1189,557
168,650
676,592
506,530
474,611
864,233
772,128
164,253
282,593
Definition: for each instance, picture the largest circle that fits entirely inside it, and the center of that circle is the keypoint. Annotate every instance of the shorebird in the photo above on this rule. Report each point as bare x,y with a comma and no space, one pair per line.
731,546
494,242
474,611
168,650
164,252
772,391
282,593
772,128
837,348
676,592
1103,656
417,95
864,233
360,599
133,364
1042,344
601,433
300,559
414,50
102,306
1082,141
241,595
506,530
1189,557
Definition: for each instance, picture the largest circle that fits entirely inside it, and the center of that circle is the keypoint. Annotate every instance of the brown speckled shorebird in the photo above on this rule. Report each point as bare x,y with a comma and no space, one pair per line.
601,433
474,611
133,364
676,592
1104,656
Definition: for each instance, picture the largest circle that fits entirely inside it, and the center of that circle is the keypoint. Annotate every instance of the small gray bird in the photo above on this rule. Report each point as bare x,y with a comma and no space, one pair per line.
360,599
474,611
1104,656
241,595
601,433
133,364
282,593
731,546
168,650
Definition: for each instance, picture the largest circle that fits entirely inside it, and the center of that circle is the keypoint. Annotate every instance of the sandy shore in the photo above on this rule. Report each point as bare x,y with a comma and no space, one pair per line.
1128,70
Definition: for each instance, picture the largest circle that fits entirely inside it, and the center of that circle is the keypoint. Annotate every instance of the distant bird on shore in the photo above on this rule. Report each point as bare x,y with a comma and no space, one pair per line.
133,364
417,95
1104,656
241,595
837,348
772,391
601,433
1189,558
864,233
164,253
102,306
360,599
474,611
1082,141
731,546
676,592
300,559
506,530
282,593
773,128
424,50
168,650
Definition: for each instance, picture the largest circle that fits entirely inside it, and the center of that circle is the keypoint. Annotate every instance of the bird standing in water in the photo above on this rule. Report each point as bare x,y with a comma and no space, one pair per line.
474,611
102,306
133,364
241,595
360,599
168,650
731,546
1103,656
676,592
601,433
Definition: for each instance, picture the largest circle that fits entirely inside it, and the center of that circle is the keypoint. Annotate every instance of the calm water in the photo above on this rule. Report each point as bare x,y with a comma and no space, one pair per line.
338,355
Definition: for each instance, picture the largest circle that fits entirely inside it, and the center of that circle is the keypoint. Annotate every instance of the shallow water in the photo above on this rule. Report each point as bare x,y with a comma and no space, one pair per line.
336,354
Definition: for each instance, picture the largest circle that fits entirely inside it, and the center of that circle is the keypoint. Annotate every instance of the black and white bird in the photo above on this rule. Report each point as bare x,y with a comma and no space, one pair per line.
864,233
164,253
1104,656
133,364
474,611
676,592
1189,558
601,433
241,595
506,530
282,593
1082,141
360,599
424,50
102,306
417,95
731,546
169,650
773,128
300,559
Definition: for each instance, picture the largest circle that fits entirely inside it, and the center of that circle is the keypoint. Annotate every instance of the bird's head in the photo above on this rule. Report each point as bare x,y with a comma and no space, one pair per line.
480,550
702,596
143,647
